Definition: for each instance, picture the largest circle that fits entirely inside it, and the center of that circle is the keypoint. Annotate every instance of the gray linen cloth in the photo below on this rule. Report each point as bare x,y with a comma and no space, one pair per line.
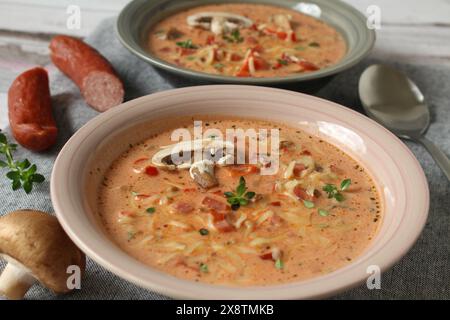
424,273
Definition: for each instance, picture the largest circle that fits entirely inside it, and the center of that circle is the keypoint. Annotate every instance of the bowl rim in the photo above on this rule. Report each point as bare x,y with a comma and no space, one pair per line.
180,288
369,36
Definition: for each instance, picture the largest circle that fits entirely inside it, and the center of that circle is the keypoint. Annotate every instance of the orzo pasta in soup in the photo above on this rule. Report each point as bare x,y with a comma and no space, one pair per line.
246,40
228,224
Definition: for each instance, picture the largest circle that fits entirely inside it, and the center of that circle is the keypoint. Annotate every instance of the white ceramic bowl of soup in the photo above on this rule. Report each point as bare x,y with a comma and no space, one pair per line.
81,164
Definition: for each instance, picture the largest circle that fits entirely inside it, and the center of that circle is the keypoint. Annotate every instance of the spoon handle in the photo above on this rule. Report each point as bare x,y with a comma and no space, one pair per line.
439,156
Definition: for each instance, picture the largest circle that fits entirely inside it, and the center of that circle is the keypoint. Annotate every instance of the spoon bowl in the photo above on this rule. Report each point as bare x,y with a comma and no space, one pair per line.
391,98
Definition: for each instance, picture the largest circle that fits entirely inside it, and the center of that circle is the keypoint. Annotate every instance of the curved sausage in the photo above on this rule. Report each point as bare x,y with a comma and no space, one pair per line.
93,74
30,110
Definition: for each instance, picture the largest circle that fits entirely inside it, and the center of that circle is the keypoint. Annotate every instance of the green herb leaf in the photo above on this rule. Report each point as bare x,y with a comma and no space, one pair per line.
333,191
3,139
186,44
23,164
279,264
243,202
16,184
283,62
300,48
13,175
235,37
241,188
250,195
345,184
323,212
22,173
27,186
314,44
330,189
240,197
339,197
308,204
38,178
150,210
203,231
203,267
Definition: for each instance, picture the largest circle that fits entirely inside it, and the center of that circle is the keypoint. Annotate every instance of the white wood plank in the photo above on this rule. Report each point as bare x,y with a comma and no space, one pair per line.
408,11
50,16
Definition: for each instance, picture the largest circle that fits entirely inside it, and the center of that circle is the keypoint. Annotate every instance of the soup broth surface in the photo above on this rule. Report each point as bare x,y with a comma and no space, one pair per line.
278,43
316,214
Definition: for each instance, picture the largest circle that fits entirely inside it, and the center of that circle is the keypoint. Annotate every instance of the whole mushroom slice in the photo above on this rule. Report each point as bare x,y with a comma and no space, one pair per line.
199,156
181,155
37,250
219,22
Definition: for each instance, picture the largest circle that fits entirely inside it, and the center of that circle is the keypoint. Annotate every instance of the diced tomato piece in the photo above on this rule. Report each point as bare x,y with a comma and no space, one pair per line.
243,170
224,226
277,66
235,57
244,71
293,37
259,63
254,27
282,35
215,204
266,256
276,204
308,66
220,222
218,216
185,51
302,194
305,153
183,207
269,31
151,171
189,190
210,39
258,48
165,49
251,40
298,168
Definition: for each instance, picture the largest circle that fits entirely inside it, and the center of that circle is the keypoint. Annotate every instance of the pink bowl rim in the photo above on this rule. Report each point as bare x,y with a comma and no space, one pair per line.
323,286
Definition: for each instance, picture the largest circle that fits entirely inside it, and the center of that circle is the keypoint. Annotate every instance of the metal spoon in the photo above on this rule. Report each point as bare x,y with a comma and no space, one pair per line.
391,98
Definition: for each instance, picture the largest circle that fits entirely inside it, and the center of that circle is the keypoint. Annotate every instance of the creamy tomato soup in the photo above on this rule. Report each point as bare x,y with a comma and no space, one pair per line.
233,225
246,40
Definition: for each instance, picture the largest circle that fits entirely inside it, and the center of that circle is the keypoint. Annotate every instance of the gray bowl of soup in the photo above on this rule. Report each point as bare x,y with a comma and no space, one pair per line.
251,42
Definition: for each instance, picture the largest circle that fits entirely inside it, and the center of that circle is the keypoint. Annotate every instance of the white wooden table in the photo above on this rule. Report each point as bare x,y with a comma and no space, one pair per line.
411,30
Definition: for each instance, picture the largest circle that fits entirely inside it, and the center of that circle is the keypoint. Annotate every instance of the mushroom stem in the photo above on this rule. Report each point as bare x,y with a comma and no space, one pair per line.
15,281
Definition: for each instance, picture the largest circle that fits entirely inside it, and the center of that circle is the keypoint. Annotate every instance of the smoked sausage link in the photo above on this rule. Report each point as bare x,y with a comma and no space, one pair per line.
30,110
93,74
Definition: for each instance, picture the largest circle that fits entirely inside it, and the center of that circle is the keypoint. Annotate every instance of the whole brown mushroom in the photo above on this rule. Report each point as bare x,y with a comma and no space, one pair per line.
36,249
